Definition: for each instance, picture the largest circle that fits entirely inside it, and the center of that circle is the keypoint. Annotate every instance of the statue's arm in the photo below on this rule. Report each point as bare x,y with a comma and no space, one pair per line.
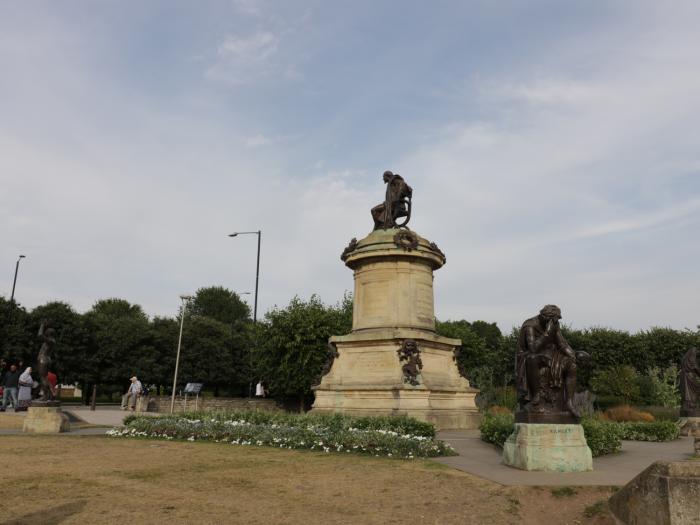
534,343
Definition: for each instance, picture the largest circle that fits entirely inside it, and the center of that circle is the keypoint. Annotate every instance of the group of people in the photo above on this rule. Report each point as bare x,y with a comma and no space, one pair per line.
17,386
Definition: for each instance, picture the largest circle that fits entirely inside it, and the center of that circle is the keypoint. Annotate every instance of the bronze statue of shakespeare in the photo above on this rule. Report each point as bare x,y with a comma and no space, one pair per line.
397,203
689,379
545,371
47,336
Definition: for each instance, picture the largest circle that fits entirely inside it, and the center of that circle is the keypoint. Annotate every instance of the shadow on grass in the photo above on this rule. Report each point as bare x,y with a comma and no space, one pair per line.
49,516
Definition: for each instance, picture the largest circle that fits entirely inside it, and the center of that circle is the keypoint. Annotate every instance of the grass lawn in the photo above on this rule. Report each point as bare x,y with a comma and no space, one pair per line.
93,479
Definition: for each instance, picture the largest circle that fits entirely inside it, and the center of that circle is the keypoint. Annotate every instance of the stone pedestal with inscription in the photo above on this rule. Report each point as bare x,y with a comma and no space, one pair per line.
393,362
46,418
548,447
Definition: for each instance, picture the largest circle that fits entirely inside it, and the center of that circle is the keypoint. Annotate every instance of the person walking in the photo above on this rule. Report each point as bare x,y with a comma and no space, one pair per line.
135,390
260,389
26,383
10,384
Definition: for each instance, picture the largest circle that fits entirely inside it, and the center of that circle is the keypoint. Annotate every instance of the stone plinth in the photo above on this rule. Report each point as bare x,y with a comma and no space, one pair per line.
45,420
690,426
393,302
554,448
666,493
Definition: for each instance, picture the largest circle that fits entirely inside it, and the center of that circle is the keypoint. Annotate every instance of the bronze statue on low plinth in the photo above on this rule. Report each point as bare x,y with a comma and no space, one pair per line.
47,336
689,380
545,371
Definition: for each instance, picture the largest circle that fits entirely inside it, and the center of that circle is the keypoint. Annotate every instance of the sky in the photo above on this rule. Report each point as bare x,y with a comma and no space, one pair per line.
552,147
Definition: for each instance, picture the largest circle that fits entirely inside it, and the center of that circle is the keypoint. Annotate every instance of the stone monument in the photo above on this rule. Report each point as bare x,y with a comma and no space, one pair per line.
45,415
665,493
689,382
393,362
547,433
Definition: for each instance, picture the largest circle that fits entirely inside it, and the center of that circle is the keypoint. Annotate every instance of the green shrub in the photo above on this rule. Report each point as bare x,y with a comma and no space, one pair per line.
385,436
660,387
620,381
603,437
495,428
506,396
654,431
662,413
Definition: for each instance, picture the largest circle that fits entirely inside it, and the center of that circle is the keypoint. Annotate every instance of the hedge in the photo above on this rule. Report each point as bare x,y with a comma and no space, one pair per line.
377,436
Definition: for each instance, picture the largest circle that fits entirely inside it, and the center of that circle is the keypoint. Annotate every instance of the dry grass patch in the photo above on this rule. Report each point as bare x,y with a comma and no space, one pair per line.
90,479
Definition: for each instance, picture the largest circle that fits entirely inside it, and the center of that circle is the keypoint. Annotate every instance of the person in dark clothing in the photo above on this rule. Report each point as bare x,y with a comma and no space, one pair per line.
10,383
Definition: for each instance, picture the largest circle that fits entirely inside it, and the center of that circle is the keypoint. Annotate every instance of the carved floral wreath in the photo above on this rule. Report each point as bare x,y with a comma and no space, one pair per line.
406,239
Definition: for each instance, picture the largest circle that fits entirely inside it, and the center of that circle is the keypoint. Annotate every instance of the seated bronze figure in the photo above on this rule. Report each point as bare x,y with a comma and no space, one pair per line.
545,367
396,205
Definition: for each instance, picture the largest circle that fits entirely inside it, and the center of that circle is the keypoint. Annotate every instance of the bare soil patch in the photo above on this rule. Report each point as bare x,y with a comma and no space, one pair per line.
92,479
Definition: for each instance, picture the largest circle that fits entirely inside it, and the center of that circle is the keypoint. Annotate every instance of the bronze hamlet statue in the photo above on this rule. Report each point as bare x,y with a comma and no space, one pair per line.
545,371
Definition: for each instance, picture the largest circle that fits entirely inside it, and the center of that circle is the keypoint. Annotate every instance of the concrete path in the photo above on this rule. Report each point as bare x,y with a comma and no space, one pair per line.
484,460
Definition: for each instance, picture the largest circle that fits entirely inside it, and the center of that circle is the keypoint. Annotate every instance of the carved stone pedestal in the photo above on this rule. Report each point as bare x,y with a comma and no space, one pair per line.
378,370
690,426
666,493
548,447
47,419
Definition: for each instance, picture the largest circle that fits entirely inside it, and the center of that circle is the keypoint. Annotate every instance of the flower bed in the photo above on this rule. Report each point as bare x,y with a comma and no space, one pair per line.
655,431
371,436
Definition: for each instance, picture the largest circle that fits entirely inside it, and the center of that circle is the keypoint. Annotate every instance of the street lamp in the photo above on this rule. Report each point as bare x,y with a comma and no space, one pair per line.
185,299
14,283
255,302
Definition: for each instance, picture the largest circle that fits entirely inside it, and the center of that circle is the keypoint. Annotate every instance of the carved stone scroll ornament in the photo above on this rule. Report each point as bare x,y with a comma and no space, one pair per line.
409,355
434,247
331,354
406,239
352,245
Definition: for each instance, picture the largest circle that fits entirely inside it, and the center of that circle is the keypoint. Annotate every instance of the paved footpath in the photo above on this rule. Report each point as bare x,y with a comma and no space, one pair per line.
484,460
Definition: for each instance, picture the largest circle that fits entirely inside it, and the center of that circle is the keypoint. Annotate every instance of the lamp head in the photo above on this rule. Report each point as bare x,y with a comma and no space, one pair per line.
22,256
186,297
233,234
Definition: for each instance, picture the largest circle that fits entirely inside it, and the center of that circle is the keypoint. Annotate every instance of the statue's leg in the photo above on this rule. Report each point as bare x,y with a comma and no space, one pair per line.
534,385
378,216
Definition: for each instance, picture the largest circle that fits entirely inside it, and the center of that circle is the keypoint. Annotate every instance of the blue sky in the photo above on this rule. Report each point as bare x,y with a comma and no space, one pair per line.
552,147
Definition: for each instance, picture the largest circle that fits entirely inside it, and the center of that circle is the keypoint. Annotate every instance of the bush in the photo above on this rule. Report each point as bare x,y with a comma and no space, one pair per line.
627,413
497,409
603,437
655,431
620,381
660,387
495,428
385,436
662,413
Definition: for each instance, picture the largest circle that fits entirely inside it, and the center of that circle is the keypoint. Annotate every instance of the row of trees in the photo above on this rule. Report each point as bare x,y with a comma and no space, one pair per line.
287,349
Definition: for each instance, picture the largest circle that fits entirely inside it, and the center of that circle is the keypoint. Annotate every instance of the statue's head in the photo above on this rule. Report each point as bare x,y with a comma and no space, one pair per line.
410,346
387,176
50,332
550,312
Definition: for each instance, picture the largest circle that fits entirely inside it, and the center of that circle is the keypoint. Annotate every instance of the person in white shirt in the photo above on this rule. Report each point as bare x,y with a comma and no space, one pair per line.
259,389
132,394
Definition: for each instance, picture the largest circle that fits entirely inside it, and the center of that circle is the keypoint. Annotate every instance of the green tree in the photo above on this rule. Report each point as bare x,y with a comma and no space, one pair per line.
293,344
219,303
120,344
15,340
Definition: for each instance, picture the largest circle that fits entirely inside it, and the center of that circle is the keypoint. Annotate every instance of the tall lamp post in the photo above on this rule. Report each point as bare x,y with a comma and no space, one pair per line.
185,299
255,301
14,283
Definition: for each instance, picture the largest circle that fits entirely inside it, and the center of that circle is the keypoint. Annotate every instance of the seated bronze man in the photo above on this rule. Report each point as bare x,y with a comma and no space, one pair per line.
396,204
546,370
